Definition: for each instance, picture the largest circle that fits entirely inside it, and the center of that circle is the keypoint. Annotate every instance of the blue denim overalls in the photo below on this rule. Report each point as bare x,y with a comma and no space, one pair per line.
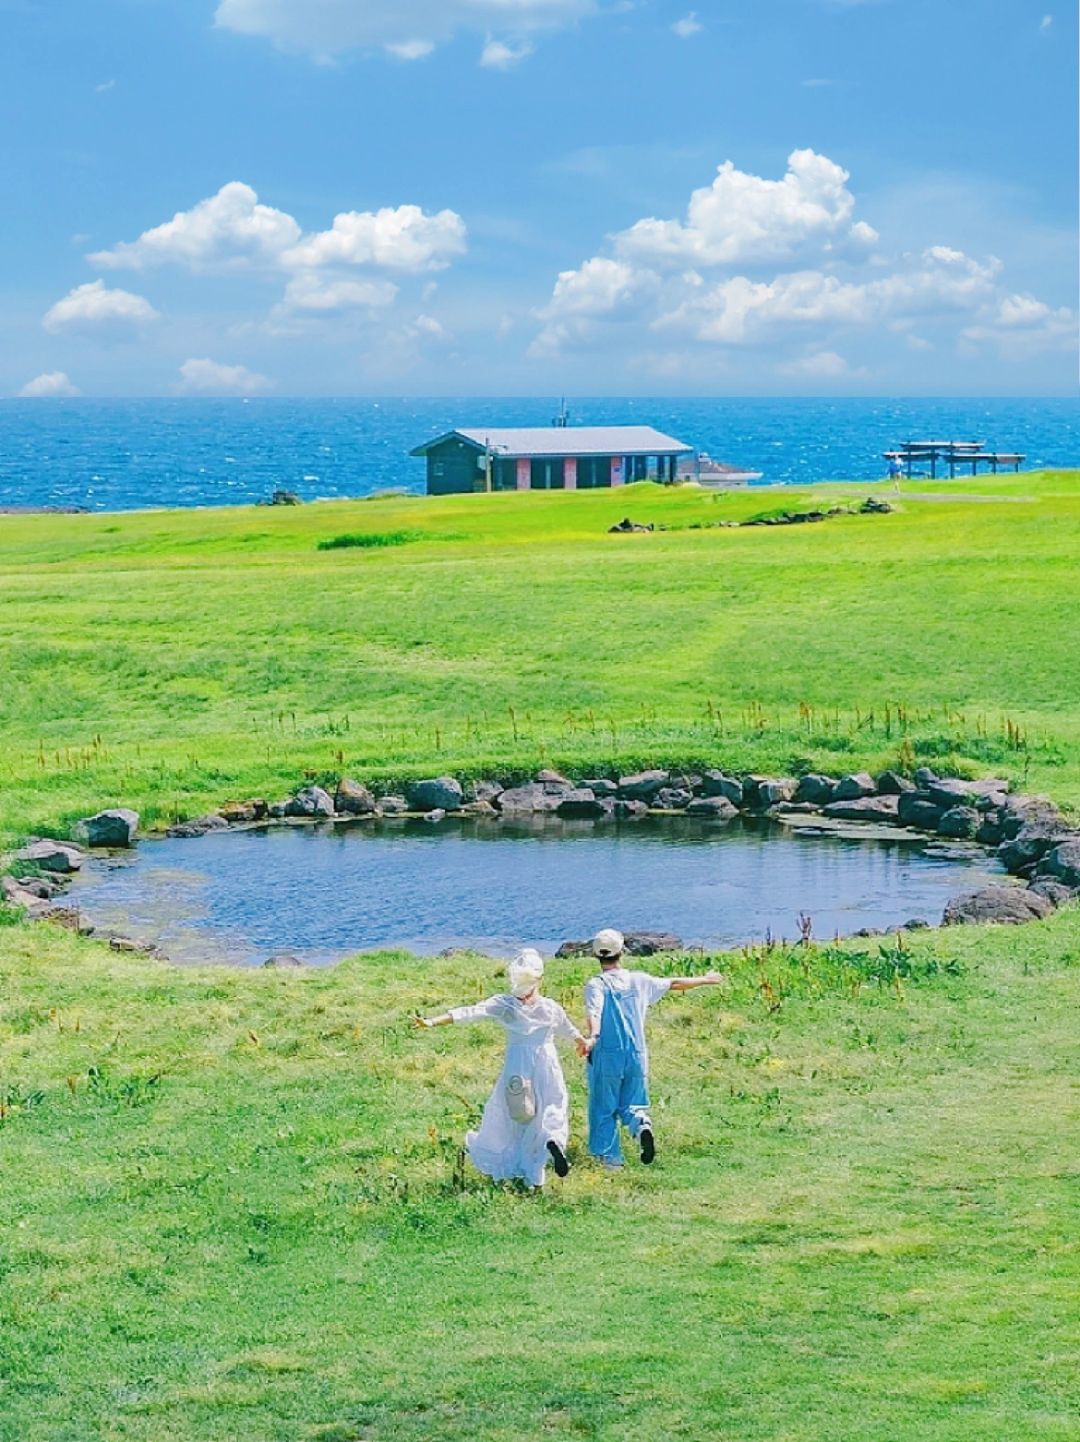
618,1090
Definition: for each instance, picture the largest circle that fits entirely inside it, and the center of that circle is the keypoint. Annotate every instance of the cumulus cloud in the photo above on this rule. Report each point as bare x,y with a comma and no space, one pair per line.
228,229
210,378
316,294
93,309
689,25
600,289
498,55
405,238
406,29
822,365
49,385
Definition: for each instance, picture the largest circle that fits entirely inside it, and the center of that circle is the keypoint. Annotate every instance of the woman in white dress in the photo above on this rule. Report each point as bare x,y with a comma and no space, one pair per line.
526,1121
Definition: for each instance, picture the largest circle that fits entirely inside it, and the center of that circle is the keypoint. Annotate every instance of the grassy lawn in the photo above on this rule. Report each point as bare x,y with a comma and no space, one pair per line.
230,1207
231,1204
172,660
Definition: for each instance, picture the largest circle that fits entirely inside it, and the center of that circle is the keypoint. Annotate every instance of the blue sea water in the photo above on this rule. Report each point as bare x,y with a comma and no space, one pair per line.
119,455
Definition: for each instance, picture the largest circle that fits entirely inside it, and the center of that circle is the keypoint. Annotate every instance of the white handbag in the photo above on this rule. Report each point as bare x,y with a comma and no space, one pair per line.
520,1099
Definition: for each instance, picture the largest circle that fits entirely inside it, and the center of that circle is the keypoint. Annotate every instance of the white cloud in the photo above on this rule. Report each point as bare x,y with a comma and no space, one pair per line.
104,87
432,329
602,288
498,55
210,378
1045,23
687,26
93,309
326,28
822,365
315,294
49,386
226,230
743,218
406,238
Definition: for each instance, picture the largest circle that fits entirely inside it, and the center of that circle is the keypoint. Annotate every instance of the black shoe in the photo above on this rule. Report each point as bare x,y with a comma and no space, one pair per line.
648,1145
558,1159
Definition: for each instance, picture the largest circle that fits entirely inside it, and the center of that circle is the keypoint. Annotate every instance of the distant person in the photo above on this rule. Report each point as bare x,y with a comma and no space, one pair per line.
526,1121
895,471
615,1005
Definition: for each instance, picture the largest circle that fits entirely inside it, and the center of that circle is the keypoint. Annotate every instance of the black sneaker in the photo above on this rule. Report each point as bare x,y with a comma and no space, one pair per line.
648,1145
558,1159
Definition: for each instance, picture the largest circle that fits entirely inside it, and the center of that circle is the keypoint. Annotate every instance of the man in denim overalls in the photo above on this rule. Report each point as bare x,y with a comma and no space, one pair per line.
615,1004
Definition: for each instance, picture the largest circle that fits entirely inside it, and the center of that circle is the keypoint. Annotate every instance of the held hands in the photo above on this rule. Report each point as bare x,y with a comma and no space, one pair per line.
585,1045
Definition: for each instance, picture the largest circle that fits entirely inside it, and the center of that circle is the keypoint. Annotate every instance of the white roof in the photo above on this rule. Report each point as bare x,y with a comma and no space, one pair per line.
568,441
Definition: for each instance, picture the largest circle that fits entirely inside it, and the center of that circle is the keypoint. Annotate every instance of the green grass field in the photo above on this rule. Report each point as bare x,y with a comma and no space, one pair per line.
173,661
231,1205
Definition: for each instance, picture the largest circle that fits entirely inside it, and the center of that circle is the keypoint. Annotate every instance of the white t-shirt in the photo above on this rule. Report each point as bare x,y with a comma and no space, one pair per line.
642,989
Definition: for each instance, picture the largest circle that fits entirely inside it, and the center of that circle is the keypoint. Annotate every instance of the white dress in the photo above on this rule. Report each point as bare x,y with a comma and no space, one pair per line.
503,1148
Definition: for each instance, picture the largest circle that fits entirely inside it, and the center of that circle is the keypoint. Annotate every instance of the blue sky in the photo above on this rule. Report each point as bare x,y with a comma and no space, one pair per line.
533,196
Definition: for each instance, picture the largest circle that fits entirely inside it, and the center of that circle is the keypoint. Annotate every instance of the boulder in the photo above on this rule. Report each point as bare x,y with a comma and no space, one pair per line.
477,808
439,793
310,801
882,809
796,808
638,943
277,809
199,826
583,803
891,783
535,797
434,816
392,806
712,808
1063,863
673,798
916,809
855,787
629,810
38,888
1055,892
553,778
353,799
719,783
1021,811
961,823
110,828
1000,905
925,777
601,787
642,786
1030,844
284,961
484,791
52,856
990,831
772,790
956,792
241,813
818,790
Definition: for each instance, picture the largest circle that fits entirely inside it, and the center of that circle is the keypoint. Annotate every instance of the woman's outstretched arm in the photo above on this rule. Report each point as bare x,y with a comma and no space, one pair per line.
428,1021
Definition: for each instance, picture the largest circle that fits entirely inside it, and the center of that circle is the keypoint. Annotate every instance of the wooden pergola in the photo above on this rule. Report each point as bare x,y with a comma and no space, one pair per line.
953,454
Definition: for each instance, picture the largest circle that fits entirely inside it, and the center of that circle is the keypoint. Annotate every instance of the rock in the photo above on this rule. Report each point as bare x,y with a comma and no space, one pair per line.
957,792
991,831
891,783
52,856
601,788
126,944
353,799
284,961
442,793
583,803
961,823
240,813
1055,892
392,806
673,798
712,808
435,815
916,809
796,808
310,801
1000,905
643,786
281,497
110,828
477,808
924,777
917,923
1063,863
38,888
817,789
1030,844
772,790
1021,811
719,783
535,797
553,778
853,788
489,791
882,809
626,525
200,826
629,810
70,918
638,943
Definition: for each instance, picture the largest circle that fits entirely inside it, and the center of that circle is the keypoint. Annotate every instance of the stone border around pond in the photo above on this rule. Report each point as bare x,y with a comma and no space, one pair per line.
1027,834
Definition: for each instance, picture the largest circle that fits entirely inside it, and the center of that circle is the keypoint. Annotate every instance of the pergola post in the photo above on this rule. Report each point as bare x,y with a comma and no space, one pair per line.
570,473
524,473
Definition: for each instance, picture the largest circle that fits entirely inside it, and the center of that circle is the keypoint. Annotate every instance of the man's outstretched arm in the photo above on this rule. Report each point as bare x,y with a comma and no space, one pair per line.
691,983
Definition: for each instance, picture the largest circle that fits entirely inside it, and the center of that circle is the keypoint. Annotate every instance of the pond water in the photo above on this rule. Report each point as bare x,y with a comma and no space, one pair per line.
328,892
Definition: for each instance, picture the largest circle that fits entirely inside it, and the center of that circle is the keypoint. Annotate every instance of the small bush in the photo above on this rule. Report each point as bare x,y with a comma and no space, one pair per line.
366,540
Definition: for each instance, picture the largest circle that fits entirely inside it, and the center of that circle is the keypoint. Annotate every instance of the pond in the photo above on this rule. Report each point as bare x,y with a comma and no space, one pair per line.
321,893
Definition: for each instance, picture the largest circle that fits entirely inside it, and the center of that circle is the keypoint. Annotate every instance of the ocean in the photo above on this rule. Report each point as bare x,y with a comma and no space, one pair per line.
115,455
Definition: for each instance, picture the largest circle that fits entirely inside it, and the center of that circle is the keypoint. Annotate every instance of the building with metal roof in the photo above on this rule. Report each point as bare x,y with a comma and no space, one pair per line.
524,458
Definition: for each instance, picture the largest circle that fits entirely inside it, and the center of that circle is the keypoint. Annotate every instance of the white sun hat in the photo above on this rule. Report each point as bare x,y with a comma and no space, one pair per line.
608,945
526,972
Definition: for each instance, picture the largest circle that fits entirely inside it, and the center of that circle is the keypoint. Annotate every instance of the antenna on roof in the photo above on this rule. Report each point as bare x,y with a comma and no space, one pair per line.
562,420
